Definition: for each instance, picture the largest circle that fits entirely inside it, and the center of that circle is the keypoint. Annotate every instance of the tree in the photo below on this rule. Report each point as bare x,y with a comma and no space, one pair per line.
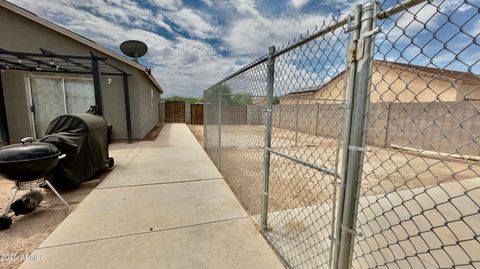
242,99
227,97
184,99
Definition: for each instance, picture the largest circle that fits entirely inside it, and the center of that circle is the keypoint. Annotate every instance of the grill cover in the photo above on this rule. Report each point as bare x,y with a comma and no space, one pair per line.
83,138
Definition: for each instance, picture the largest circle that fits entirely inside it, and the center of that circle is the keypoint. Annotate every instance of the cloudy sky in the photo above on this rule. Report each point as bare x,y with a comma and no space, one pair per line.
194,43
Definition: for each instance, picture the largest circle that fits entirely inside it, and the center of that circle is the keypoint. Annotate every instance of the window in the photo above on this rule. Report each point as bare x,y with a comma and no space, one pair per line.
52,97
151,97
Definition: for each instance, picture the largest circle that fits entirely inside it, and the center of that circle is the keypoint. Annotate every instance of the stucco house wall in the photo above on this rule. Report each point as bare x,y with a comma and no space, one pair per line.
395,83
413,106
21,34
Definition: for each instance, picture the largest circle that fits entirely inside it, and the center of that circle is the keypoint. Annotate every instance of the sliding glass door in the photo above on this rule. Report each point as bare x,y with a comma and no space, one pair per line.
79,95
52,97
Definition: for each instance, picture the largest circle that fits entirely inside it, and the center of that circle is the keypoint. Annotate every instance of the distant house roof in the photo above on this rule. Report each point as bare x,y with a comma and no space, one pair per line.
423,70
31,16
433,72
306,90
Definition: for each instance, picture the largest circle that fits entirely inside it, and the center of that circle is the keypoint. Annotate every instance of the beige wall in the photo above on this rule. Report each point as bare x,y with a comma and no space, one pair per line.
391,83
396,84
20,34
113,105
407,108
148,112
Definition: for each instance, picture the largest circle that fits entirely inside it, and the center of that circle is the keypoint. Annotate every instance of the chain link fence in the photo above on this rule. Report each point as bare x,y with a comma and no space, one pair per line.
358,145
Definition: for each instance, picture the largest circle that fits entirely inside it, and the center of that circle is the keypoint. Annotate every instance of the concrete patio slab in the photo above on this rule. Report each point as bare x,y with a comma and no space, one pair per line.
175,135
189,164
225,244
164,206
116,212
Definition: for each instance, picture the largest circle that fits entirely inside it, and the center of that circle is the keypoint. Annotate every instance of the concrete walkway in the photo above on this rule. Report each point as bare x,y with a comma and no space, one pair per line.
164,206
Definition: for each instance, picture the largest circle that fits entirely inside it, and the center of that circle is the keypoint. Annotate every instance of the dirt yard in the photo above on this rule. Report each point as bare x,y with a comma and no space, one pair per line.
293,185
197,131
29,231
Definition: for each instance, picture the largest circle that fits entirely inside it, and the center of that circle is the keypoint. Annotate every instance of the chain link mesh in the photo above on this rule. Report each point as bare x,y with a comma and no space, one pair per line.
241,136
305,137
420,191
418,202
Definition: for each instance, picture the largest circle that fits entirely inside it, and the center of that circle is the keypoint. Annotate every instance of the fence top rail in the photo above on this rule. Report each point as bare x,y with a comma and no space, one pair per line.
340,22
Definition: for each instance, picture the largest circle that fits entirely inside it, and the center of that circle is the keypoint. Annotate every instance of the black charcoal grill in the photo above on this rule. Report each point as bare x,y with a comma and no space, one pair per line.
27,164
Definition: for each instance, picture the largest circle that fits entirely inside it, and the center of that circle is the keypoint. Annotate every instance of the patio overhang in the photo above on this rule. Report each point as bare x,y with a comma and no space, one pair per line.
50,62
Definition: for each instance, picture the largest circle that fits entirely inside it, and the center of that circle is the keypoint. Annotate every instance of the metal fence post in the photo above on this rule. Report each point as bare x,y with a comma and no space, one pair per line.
205,120
219,129
296,122
97,84
268,136
126,95
347,118
316,120
363,55
279,115
387,124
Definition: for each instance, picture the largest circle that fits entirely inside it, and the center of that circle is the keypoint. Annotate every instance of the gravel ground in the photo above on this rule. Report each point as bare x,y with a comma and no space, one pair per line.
293,185
197,131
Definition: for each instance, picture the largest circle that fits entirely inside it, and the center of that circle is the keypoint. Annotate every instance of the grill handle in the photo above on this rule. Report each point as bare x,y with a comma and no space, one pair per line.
27,139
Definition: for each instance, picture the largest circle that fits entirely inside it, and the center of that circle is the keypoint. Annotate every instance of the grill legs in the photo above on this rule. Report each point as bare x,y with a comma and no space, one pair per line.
12,198
5,220
57,194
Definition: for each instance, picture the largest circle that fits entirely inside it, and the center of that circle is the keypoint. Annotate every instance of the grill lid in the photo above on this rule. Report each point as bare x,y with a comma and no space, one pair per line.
28,152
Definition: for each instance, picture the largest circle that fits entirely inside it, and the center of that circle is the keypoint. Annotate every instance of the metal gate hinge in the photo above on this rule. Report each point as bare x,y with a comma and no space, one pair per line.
362,149
356,233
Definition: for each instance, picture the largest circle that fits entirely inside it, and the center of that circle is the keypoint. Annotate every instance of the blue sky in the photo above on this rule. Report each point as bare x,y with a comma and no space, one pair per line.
194,43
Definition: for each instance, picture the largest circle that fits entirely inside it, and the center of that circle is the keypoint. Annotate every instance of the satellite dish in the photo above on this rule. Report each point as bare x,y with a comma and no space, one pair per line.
134,49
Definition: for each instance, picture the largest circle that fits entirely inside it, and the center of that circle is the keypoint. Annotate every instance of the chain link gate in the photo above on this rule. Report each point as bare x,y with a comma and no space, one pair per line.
355,151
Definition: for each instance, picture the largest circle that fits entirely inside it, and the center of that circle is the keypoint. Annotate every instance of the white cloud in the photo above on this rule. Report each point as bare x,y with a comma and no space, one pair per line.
208,2
193,22
245,7
167,4
190,66
253,35
159,20
299,3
